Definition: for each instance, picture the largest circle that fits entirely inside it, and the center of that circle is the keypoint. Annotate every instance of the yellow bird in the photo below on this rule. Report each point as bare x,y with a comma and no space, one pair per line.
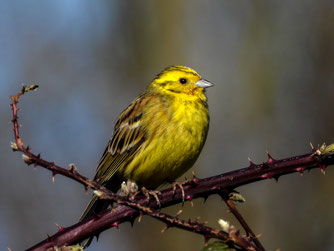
157,137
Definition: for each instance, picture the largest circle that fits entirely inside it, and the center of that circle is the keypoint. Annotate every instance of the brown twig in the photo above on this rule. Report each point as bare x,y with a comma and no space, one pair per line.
219,184
104,193
244,224
193,226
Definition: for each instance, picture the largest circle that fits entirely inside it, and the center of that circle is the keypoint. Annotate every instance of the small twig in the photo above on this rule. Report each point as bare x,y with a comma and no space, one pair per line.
193,226
243,223
219,184
104,193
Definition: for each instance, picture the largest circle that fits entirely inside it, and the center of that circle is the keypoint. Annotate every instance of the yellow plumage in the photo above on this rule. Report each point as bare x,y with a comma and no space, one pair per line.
158,136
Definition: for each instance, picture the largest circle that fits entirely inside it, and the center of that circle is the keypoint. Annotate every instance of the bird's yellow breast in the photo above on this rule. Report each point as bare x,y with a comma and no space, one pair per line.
175,137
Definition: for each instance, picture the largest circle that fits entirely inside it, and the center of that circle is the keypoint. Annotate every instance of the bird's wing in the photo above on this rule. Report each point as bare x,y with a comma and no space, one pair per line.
129,135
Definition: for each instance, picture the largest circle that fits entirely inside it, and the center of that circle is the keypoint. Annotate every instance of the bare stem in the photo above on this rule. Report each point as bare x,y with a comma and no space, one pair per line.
221,184
103,193
244,224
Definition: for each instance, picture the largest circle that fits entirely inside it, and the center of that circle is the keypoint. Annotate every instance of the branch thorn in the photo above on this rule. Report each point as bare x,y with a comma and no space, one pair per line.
59,228
49,238
206,240
178,213
132,221
165,228
300,170
258,236
195,179
97,236
270,159
116,224
190,198
139,217
250,162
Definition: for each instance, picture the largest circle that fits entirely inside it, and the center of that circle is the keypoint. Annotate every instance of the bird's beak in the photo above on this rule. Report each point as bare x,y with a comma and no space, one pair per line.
203,83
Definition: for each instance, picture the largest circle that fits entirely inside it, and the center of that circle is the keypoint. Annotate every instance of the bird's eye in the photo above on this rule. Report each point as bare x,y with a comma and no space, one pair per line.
183,80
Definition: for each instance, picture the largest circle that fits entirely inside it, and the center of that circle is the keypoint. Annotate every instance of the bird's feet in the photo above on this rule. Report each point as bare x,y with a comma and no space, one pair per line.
129,188
179,185
154,194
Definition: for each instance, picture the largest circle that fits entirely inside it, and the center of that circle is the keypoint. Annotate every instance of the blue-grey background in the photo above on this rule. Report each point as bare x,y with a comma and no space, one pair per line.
272,63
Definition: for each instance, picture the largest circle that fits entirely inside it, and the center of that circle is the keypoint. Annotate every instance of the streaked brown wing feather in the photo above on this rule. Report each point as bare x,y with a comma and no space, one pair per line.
129,134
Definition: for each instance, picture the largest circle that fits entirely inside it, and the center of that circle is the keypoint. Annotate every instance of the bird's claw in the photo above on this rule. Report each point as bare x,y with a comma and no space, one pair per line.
129,189
152,193
179,185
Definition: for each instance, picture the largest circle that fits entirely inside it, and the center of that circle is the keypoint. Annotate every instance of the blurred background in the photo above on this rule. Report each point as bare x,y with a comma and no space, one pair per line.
272,63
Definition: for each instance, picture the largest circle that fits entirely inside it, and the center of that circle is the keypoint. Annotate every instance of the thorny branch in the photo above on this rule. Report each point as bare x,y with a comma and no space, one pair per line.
104,193
220,184
243,223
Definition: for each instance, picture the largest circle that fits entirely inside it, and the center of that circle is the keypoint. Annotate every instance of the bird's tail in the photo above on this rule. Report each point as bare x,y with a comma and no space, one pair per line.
95,206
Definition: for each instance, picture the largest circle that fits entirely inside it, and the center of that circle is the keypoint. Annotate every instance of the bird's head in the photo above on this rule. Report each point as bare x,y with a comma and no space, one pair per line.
180,81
